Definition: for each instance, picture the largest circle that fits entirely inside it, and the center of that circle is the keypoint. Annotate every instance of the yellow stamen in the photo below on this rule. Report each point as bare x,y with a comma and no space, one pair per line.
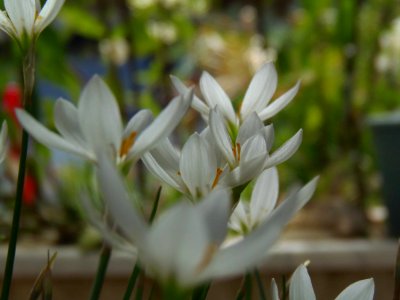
216,179
127,144
236,151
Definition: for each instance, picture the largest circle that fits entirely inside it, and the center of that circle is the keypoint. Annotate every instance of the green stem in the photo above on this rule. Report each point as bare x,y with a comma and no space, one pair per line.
28,72
132,282
260,285
101,272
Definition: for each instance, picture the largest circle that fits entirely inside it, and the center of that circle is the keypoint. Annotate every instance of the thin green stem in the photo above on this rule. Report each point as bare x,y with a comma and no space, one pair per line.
261,289
201,292
101,272
245,288
132,282
28,72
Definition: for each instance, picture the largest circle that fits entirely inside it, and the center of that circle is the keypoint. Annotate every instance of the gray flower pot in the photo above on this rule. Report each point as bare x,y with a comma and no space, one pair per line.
386,137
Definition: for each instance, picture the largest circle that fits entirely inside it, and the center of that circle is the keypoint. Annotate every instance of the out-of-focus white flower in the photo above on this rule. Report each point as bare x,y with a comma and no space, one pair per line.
388,59
115,50
25,18
191,235
3,141
256,55
163,31
256,99
96,124
249,214
301,288
141,4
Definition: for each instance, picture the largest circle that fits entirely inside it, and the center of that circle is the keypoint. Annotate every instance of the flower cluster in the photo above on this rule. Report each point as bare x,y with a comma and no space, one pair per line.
211,171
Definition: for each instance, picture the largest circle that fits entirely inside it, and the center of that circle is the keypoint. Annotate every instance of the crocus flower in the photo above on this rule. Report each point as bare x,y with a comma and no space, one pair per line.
3,141
26,19
256,99
96,125
191,235
301,288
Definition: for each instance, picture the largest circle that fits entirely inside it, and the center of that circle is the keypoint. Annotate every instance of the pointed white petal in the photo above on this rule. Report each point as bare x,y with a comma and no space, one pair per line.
99,116
197,104
274,290
22,14
49,138
66,122
244,172
158,171
249,127
138,122
206,134
264,195
176,244
285,151
197,166
252,250
216,96
48,13
239,218
3,141
360,290
279,104
167,156
216,209
6,25
269,135
253,147
260,91
300,285
162,126
221,136
118,203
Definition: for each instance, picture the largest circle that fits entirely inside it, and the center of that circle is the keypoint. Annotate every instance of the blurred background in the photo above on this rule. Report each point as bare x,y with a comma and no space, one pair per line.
346,54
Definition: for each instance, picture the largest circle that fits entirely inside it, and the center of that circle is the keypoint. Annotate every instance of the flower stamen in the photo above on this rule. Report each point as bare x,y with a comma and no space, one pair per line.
127,144
217,176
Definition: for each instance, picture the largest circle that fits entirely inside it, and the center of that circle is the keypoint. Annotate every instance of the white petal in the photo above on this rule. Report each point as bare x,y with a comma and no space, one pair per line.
264,195
6,25
300,285
176,244
197,104
48,13
167,156
221,136
138,122
269,135
158,171
245,172
253,147
249,127
163,125
216,96
197,166
279,104
360,290
285,151
274,290
216,209
22,14
252,250
99,116
118,203
260,91
239,218
49,138
3,141
66,122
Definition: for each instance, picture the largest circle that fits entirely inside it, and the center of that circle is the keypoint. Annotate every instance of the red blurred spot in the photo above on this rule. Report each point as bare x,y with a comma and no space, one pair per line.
12,99
30,190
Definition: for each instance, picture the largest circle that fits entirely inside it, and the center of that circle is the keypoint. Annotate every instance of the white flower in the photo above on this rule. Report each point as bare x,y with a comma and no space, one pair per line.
231,149
249,214
257,98
301,288
3,141
191,235
25,17
96,125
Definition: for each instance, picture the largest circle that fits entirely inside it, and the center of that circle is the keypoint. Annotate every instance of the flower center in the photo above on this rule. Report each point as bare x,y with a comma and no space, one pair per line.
127,143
